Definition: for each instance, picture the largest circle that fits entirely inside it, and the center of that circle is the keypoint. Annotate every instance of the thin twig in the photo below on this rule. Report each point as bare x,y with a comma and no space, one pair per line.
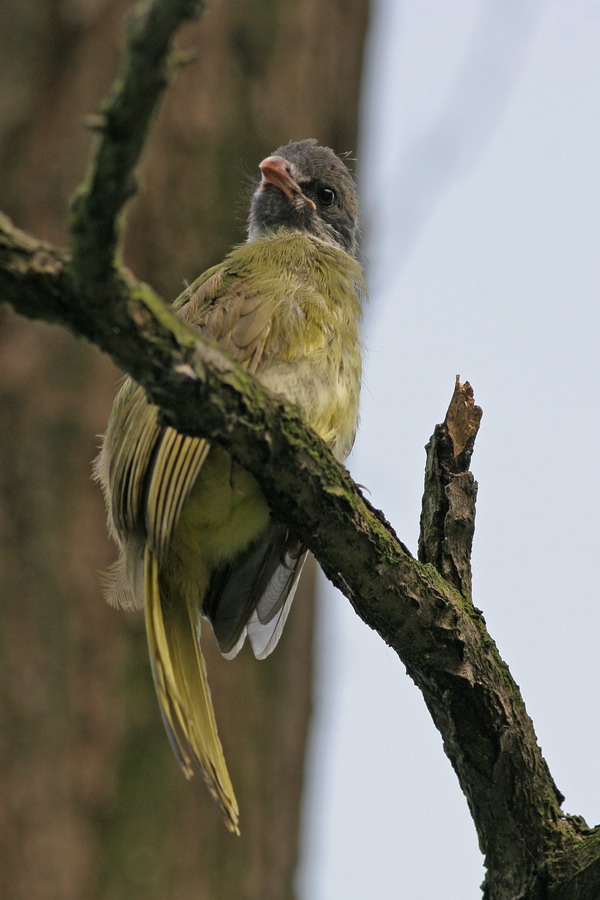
122,128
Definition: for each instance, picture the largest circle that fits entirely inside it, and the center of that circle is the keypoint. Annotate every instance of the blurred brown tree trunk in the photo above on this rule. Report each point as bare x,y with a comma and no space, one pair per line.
91,803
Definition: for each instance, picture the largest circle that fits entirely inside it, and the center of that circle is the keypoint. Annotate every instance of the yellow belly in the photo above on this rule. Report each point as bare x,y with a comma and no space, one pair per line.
224,513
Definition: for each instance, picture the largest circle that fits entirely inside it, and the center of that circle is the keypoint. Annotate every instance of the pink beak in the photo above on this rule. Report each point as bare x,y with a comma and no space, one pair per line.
277,171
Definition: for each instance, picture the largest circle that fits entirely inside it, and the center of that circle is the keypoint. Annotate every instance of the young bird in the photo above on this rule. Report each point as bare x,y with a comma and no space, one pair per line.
194,533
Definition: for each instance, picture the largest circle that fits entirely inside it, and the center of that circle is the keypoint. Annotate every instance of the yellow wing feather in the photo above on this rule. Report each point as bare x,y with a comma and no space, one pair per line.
240,322
176,467
130,460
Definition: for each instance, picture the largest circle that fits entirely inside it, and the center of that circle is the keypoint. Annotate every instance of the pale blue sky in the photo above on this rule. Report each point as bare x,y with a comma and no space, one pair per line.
479,173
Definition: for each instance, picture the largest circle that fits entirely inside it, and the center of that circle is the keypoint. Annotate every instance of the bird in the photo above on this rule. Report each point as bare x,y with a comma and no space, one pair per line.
195,536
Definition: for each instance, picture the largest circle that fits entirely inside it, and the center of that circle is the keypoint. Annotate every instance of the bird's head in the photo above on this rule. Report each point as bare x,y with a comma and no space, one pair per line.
306,188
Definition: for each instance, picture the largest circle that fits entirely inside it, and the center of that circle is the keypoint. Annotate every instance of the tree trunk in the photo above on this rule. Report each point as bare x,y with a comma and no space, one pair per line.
93,804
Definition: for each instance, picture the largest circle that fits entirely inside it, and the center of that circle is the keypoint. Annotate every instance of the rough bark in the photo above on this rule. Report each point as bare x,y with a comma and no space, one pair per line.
92,802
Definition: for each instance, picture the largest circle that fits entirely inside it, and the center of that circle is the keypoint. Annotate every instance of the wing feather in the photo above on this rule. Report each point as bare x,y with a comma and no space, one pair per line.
264,636
127,467
193,455
279,586
175,469
154,468
240,322
254,591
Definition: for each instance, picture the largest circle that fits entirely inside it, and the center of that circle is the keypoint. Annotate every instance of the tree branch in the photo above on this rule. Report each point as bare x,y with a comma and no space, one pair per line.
122,125
422,609
448,508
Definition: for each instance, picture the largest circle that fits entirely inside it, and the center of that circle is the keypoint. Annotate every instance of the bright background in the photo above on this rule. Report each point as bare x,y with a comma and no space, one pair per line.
479,175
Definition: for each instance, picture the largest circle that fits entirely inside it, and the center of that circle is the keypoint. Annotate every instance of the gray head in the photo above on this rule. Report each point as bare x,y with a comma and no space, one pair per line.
306,188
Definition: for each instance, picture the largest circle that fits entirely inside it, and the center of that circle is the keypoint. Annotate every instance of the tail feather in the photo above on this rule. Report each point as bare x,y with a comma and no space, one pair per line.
183,694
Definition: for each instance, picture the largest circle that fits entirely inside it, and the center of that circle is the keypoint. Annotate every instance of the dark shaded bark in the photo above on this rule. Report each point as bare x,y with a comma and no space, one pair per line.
93,804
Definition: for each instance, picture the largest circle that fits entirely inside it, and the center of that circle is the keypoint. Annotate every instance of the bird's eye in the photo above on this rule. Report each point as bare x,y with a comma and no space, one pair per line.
325,196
